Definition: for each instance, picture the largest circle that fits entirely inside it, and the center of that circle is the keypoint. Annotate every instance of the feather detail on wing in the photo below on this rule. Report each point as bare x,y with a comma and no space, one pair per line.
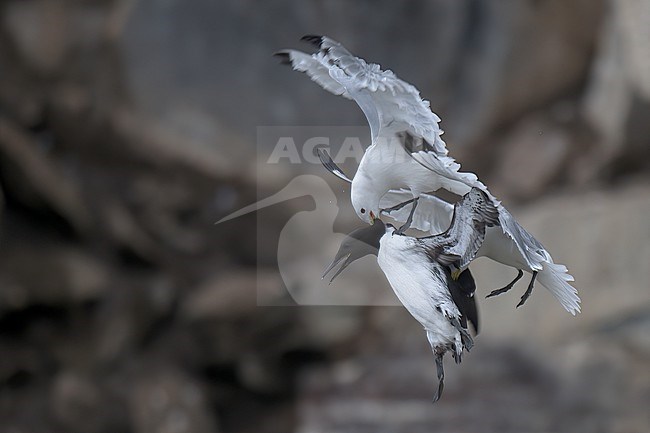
530,248
331,166
432,211
318,72
459,182
556,278
462,240
388,102
447,169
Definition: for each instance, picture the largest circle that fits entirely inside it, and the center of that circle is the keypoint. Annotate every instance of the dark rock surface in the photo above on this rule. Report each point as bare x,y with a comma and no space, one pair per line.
575,386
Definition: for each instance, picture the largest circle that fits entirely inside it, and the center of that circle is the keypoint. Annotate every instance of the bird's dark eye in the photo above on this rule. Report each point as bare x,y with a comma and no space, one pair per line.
363,210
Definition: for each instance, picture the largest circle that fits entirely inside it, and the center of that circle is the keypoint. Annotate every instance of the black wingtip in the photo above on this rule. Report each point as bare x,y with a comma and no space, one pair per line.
315,40
325,159
323,155
285,58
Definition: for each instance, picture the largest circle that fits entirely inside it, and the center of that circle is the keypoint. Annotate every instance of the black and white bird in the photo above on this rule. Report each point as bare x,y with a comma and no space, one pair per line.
408,158
419,271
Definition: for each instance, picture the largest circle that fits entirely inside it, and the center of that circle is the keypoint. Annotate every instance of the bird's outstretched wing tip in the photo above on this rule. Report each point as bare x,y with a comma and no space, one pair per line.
331,166
316,40
284,56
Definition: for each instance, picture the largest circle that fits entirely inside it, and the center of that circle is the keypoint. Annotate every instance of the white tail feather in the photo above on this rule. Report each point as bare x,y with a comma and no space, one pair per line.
555,278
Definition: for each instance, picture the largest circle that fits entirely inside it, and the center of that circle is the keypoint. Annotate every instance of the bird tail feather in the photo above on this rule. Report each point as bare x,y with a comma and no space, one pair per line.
556,278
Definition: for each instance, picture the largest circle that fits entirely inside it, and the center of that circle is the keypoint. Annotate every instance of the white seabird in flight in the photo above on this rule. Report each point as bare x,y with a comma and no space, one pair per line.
408,158
418,270
401,123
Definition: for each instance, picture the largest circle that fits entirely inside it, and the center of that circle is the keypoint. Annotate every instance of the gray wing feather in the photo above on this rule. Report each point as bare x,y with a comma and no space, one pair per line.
531,250
315,69
462,240
383,97
447,169
331,166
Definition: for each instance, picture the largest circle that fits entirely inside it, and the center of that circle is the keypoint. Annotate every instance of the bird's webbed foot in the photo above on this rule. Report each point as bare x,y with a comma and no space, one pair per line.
528,291
441,377
509,286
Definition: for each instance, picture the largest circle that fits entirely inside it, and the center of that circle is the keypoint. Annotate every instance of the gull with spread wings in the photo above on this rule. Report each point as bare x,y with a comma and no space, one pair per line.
408,158
401,123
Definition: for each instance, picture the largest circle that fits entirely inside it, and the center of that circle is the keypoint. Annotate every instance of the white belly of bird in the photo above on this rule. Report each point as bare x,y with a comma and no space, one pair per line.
499,247
418,288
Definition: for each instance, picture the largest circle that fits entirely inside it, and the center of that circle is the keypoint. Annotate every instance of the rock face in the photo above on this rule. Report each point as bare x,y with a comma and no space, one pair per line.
499,387
617,102
128,128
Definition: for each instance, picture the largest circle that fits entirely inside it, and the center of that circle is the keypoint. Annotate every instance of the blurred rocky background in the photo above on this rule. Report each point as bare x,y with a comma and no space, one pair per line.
127,128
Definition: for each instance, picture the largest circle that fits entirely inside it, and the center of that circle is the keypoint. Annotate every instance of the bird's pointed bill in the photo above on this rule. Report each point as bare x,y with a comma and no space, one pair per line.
357,244
343,260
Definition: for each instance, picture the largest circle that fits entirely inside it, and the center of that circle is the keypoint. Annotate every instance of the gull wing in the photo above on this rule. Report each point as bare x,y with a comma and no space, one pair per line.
331,166
446,168
462,240
314,68
387,101
432,214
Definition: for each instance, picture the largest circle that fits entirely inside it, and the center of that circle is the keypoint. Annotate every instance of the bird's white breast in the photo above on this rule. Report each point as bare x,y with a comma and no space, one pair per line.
416,285
500,247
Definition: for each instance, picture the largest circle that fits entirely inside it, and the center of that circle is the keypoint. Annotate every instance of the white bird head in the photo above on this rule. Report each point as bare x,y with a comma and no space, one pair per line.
365,200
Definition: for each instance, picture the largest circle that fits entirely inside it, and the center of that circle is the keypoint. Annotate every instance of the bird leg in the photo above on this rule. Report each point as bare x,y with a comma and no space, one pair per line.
397,206
466,339
507,287
409,220
528,291
441,377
